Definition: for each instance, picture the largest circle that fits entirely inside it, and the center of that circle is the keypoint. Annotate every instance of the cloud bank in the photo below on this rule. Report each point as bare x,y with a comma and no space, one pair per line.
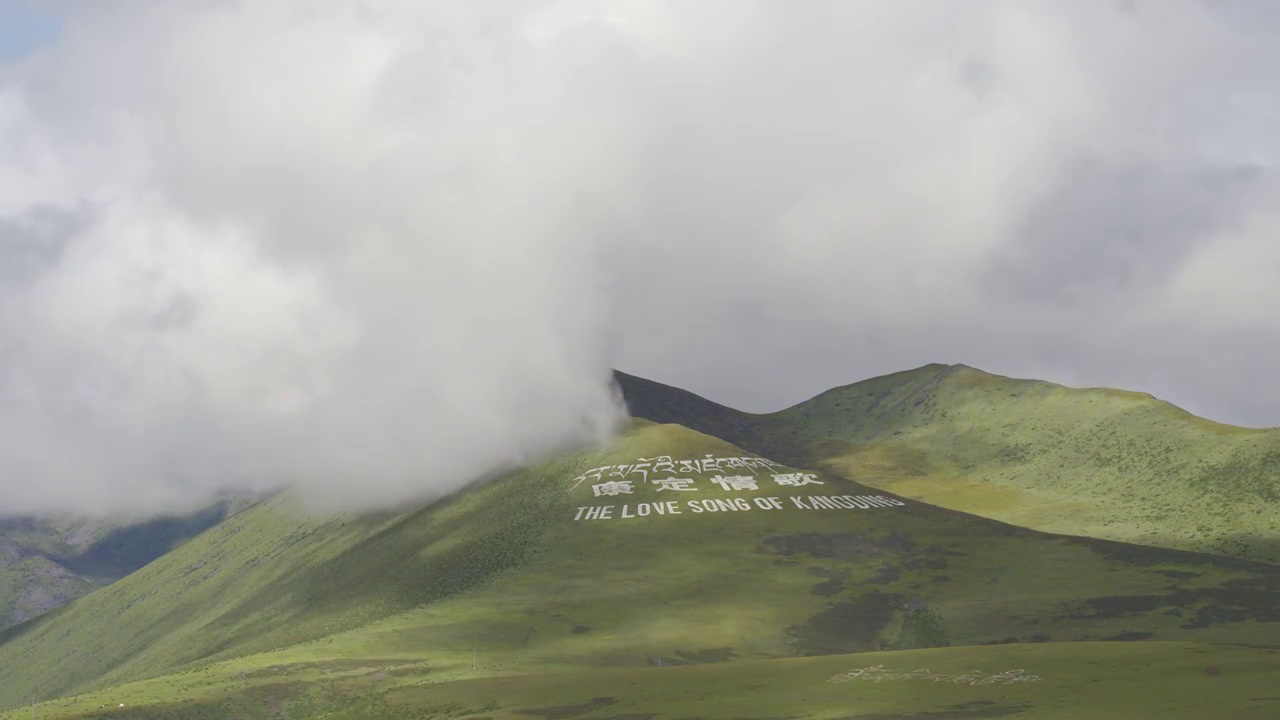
378,249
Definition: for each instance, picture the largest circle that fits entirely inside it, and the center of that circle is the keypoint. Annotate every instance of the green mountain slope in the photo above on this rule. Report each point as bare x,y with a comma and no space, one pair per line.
531,573
1097,462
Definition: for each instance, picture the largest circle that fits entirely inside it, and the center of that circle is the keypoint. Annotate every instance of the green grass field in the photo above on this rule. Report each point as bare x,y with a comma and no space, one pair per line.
1069,681
524,597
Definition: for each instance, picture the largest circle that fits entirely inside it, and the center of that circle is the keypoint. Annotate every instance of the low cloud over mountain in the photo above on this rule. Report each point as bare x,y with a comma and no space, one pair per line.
379,249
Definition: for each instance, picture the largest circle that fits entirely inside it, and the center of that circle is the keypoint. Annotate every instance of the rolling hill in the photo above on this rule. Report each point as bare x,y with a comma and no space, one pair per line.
1097,462
707,563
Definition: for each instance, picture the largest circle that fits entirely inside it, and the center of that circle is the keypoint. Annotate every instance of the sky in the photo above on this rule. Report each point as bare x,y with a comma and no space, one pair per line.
25,27
378,249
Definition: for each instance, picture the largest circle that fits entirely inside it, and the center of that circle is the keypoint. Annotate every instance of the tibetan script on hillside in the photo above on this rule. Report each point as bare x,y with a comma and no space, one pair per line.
643,468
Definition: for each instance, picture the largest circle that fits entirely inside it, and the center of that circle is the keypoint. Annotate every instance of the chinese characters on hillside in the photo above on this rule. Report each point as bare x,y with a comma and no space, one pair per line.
719,493
730,484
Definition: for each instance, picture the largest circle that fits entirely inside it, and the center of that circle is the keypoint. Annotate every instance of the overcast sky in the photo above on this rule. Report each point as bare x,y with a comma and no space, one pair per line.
381,247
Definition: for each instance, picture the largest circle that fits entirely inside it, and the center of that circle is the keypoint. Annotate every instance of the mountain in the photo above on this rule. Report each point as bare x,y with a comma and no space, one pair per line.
46,561
31,584
1098,462
750,583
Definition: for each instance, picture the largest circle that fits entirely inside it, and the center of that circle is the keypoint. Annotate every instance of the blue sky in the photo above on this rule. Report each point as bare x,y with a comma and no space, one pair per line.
25,26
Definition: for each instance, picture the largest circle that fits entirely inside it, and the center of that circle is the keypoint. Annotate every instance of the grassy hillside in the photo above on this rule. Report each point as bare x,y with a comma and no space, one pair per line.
48,561
1075,681
525,573
1097,462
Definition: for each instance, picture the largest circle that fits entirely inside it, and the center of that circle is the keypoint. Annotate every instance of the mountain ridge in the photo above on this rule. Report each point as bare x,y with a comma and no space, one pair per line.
941,370
1097,462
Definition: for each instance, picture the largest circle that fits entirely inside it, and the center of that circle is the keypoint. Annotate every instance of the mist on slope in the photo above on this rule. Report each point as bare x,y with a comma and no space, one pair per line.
375,250
253,244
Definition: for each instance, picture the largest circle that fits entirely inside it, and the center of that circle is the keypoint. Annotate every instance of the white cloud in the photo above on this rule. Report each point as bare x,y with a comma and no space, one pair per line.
377,249
1229,282
327,256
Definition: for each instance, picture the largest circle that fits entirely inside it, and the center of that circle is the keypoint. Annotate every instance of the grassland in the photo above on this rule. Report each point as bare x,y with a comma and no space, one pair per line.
1096,462
511,600
505,572
1060,681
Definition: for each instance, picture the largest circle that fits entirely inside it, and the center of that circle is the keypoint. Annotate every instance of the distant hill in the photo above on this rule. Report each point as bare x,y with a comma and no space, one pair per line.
31,584
1098,462
46,561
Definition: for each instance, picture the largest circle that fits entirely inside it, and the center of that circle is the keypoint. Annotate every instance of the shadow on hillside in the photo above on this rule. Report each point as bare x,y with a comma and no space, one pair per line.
1147,555
16,631
1265,549
126,549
